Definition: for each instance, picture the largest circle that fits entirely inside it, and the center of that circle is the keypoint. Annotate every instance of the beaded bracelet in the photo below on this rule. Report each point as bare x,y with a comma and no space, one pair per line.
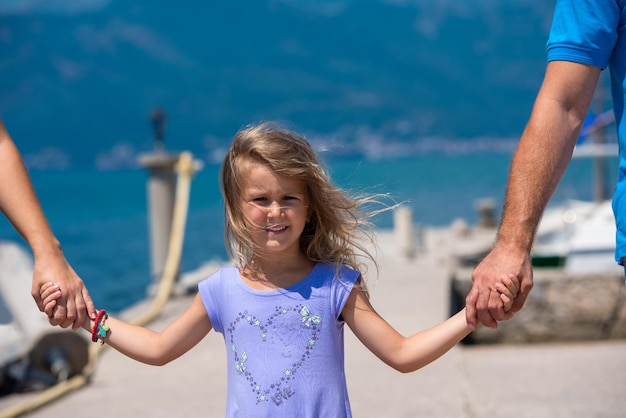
100,330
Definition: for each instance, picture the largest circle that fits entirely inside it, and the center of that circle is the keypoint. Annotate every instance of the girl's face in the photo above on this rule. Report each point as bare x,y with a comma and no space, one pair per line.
275,210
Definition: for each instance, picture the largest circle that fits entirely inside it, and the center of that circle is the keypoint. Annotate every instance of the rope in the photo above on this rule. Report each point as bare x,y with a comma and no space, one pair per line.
185,170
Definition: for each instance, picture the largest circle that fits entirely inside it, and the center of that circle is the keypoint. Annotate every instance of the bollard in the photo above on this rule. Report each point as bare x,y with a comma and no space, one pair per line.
160,191
486,209
403,230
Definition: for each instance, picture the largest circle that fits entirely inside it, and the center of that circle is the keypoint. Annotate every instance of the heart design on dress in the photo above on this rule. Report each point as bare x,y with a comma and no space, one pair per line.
291,329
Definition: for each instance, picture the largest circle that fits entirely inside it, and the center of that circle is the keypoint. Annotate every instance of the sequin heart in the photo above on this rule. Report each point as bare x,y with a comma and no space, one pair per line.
294,330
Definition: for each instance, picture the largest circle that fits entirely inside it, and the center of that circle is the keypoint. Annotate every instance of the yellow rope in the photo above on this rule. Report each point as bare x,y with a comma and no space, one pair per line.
185,170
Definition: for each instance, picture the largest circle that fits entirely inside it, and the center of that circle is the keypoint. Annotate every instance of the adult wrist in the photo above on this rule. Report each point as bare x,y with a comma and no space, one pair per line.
514,242
46,247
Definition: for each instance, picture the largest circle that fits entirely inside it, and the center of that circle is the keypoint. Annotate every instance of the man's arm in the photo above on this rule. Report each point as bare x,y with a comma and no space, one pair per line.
20,205
543,153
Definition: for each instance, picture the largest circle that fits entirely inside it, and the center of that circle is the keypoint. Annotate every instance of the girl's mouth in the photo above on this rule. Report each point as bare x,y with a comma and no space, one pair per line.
275,228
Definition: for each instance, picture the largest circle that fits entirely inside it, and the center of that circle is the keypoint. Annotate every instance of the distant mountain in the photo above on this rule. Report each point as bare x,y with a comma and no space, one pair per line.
81,81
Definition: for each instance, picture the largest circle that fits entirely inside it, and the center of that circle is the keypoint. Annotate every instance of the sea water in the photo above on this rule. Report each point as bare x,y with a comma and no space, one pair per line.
101,217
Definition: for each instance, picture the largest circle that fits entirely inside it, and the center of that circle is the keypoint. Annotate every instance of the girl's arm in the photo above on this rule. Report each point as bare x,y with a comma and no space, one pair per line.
143,344
407,354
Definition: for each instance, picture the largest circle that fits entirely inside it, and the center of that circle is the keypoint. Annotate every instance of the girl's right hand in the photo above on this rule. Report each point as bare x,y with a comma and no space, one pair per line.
50,293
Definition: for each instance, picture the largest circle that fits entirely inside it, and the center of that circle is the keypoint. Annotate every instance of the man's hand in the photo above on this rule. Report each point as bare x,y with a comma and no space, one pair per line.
483,302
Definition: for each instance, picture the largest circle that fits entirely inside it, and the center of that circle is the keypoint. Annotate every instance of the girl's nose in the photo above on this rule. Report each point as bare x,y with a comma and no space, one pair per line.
275,209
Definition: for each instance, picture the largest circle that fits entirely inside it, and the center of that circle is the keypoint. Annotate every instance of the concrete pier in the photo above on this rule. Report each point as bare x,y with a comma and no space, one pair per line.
582,379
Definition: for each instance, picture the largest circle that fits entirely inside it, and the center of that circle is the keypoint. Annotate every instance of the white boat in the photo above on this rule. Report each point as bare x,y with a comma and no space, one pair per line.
578,236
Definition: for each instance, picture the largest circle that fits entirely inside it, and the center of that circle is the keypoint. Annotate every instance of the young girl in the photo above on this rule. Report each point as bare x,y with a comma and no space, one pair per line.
297,242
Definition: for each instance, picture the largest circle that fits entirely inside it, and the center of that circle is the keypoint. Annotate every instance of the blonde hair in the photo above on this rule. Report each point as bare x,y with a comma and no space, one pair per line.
339,229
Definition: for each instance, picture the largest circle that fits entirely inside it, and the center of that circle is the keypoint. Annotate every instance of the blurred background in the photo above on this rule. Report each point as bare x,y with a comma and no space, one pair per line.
419,99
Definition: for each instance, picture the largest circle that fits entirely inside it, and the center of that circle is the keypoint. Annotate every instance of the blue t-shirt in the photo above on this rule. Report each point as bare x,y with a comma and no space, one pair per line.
284,348
594,32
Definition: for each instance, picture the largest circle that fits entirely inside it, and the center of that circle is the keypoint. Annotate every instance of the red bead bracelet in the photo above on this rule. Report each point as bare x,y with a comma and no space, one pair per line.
96,325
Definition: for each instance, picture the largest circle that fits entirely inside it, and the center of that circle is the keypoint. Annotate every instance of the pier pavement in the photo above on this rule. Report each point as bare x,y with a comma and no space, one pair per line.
571,380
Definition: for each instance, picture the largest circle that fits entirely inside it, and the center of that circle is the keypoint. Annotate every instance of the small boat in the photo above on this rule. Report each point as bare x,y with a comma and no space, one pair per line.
578,236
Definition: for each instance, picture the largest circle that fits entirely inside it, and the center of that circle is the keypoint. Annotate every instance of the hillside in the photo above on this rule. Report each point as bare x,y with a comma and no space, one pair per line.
80,83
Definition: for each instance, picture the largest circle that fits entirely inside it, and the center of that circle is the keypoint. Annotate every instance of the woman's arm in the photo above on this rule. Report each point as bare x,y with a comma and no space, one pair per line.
20,205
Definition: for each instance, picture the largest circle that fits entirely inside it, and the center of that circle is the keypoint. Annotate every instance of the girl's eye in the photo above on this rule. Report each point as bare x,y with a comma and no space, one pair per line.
260,200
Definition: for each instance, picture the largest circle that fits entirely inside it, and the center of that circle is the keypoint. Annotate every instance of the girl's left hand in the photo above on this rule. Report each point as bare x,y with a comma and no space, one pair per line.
508,289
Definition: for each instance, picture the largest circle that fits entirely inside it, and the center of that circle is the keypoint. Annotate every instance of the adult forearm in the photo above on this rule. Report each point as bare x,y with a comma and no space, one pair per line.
542,155
545,149
19,202
20,205
540,161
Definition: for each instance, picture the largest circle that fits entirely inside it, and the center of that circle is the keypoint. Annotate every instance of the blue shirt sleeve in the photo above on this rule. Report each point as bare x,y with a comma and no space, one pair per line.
210,290
584,31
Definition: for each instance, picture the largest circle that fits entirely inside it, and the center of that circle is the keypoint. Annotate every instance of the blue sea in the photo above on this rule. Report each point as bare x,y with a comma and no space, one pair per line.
101,218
